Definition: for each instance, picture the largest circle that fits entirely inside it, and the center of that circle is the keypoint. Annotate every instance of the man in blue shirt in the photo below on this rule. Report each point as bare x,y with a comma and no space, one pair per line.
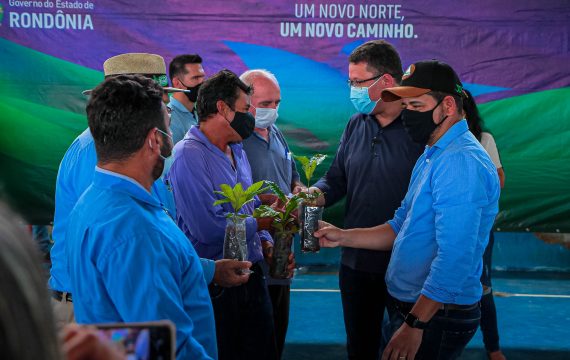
270,159
211,154
371,169
439,233
186,72
76,174
129,262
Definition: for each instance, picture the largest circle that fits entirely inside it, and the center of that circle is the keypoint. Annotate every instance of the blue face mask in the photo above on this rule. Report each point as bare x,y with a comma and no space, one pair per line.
361,99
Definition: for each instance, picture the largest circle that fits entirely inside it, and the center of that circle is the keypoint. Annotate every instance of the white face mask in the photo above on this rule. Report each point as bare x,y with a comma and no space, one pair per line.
265,117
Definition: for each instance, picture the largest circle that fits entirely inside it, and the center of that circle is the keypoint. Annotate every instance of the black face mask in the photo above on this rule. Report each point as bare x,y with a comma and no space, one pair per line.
243,124
193,94
419,125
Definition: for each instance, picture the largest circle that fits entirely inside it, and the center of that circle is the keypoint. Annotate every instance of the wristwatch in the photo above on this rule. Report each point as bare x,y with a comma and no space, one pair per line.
413,321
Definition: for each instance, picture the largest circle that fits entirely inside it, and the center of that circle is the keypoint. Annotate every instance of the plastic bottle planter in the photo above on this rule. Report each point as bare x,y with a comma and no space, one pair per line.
309,217
235,245
281,251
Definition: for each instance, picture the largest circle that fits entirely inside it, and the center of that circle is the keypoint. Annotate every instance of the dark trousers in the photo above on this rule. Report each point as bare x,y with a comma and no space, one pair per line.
244,320
363,301
448,332
489,327
280,296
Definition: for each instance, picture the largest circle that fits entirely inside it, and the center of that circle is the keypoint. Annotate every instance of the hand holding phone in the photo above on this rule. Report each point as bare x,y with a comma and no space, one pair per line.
84,343
142,341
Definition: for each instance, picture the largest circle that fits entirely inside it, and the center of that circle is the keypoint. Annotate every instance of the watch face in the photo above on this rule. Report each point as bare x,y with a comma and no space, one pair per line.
414,322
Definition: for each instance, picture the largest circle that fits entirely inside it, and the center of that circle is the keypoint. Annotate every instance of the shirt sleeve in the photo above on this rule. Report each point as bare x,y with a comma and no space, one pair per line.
193,192
209,268
333,183
145,291
460,192
399,217
488,143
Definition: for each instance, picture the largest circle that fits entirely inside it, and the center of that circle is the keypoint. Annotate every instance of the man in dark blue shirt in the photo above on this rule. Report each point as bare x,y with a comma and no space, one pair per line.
372,168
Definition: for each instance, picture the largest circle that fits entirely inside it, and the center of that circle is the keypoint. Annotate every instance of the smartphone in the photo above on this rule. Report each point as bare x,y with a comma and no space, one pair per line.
142,341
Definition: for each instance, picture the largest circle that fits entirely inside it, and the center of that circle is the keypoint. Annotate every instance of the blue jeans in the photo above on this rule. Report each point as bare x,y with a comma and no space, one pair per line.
448,332
244,320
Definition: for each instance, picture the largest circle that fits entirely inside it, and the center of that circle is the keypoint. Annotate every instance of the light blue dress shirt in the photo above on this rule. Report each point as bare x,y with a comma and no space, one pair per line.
181,119
130,262
75,174
444,222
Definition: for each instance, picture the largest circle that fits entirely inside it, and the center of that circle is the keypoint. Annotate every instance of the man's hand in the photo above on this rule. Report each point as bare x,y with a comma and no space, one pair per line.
230,273
320,201
404,344
299,187
264,223
84,343
329,235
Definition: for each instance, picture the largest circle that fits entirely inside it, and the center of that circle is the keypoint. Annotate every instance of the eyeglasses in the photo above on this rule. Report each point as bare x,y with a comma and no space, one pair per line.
358,83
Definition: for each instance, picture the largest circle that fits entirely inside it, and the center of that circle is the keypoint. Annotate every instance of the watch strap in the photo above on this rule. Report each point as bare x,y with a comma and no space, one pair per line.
413,321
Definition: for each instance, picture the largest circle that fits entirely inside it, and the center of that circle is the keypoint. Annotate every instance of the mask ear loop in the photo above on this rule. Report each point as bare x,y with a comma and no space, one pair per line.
435,107
376,102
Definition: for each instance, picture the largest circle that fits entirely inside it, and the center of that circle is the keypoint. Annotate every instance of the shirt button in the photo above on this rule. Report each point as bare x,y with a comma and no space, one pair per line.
427,160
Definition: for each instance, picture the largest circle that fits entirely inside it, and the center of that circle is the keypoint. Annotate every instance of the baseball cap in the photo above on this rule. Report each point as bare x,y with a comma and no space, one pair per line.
422,77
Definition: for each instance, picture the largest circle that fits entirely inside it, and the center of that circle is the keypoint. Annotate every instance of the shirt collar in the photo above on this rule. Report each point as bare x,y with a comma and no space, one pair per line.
196,134
177,104
118,182
451,134
270,133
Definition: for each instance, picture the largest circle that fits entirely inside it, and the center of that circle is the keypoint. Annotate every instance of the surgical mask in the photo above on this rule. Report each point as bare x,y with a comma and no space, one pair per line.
360,98
265,117
243,123
193,95
419,125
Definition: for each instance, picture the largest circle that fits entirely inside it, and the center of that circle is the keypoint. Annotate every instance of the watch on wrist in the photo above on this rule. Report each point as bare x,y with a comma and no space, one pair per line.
413,321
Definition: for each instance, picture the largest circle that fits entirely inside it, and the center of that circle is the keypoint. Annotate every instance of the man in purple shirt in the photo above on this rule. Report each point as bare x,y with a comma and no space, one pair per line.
209,155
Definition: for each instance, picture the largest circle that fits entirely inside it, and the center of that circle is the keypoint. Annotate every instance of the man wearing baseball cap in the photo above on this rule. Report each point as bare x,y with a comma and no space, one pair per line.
440,231
75,174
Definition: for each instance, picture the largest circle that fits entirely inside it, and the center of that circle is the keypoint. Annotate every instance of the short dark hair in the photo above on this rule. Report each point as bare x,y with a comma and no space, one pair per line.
177,66
121,112
439,96
225,86
381,56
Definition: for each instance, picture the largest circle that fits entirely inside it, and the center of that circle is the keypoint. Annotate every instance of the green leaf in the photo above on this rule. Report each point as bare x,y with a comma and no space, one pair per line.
309,165
265,211
254,188
318,158
227,191
291,206
221,201
276,190
302,159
